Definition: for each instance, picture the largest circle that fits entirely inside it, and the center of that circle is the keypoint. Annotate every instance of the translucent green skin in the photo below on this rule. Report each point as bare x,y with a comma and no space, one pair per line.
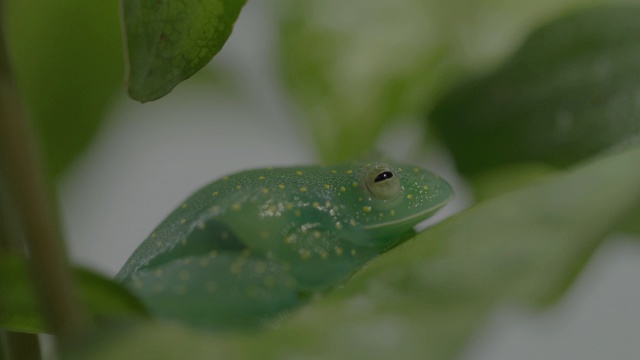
253,244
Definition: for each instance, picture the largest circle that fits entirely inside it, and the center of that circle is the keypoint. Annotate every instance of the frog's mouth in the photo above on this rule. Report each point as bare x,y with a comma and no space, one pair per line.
407,222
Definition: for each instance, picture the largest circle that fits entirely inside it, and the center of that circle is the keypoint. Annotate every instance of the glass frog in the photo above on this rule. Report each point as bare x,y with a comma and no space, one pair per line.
257,243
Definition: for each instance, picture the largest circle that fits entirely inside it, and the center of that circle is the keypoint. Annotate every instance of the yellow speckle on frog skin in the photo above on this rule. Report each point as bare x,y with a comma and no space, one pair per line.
289,206
225,178
281,186
236,267
409,196
298,172
215,193
353,252
338,226
261,267
334,171
184,275
315,204
210,286
297,213
265,190
366,209
324,255
426,187
303,189
349,171
289,239
327,186
201,226
317,234
392,212
354,184
339,251
415,170
182,221
327,204
343,189
269,280
353,222
238,187
261,178
236,207
304,254
184,206
153,235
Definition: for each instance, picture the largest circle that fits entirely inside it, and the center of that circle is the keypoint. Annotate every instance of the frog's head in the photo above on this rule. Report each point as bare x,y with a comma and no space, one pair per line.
391,199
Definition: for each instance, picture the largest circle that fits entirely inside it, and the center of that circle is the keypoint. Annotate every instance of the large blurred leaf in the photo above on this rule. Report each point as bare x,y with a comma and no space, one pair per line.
355,66
167,41
67,56
424,299
569,92
19,307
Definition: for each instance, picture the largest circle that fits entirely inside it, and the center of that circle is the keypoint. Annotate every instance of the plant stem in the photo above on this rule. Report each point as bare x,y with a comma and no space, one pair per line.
30,194
19,346
13,346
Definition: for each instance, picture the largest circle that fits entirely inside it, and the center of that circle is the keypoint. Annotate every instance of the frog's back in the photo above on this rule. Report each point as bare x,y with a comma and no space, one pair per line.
256,196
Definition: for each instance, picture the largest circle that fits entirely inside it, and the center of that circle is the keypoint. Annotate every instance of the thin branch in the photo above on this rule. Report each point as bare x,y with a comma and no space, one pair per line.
31,196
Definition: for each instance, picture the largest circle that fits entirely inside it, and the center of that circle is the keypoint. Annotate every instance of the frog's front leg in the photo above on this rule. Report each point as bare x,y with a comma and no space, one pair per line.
318,258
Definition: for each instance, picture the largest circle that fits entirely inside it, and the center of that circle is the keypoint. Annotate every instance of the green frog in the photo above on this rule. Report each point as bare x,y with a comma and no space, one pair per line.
257,243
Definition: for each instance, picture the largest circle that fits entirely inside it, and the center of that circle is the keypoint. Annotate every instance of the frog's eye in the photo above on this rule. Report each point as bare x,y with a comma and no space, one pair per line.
382,183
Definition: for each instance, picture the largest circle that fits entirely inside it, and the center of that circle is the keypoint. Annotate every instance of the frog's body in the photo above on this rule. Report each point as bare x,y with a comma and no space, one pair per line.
252,244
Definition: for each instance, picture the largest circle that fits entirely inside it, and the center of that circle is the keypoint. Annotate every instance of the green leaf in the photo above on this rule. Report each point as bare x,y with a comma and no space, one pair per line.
19,307
357,66
354,67
67,58
567,94
426,297
167,41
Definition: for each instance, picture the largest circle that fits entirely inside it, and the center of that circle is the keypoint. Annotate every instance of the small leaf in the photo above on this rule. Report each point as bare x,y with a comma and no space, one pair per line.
167,41
567,94
67,58
426,297
20,310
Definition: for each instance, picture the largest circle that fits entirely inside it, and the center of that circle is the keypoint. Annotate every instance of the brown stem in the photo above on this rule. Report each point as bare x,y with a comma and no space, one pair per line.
19,346
30,193
13,346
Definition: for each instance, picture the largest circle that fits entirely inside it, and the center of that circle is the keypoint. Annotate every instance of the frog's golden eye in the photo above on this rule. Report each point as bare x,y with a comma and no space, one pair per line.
382,183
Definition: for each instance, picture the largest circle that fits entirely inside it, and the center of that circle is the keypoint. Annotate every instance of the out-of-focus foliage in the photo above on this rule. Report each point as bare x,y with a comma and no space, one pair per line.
67,58
20,310
167,41
568,93
424,299
356,66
